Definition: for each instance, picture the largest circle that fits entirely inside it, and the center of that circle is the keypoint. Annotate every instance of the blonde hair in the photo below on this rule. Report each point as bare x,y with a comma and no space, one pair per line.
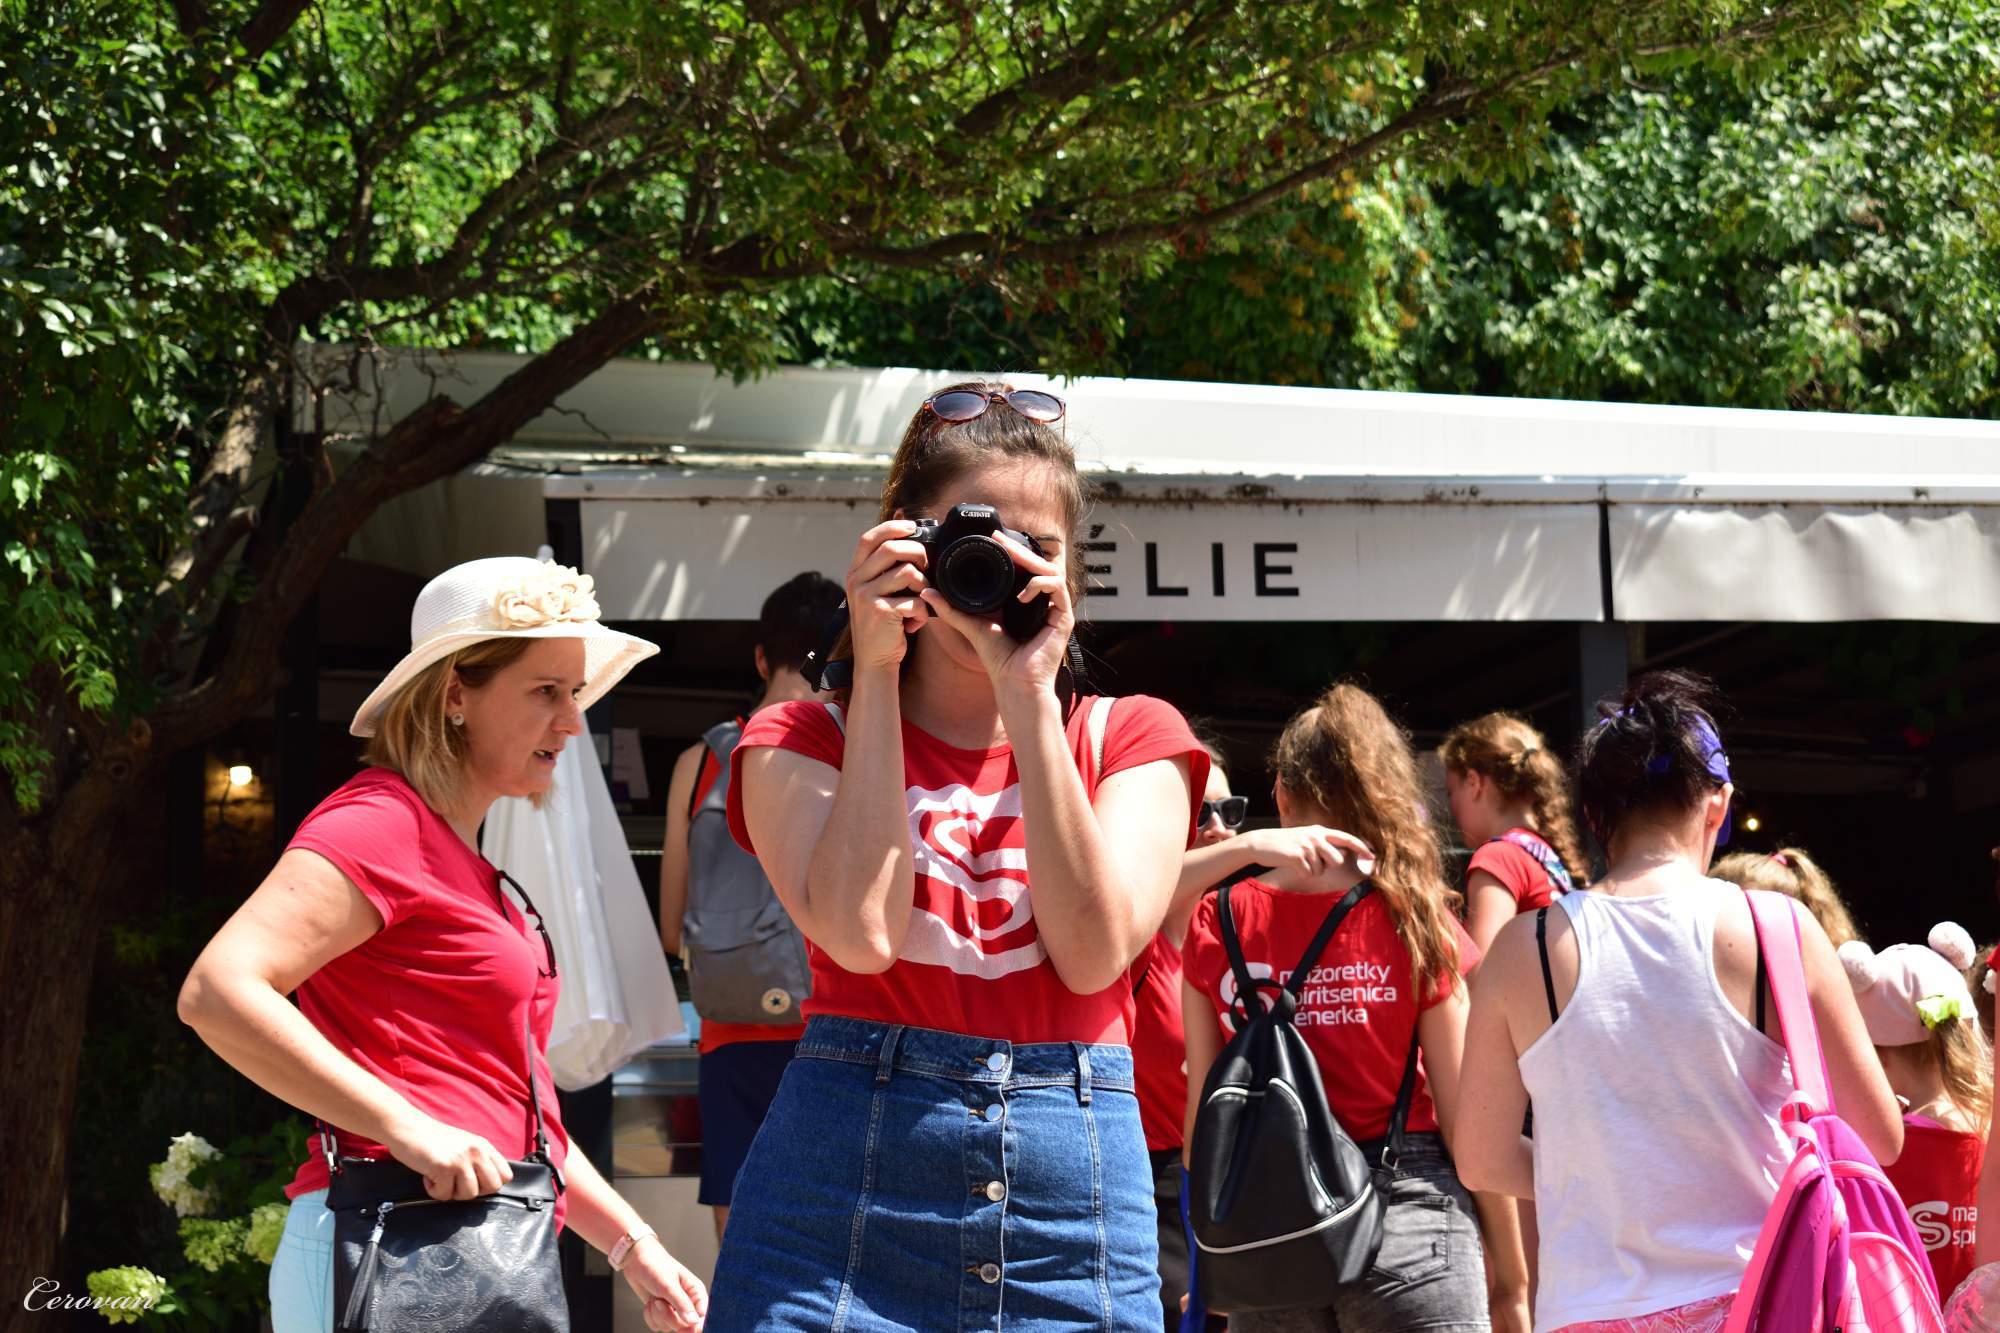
1965,1058
1508,752
413,736
1349,759
1791,872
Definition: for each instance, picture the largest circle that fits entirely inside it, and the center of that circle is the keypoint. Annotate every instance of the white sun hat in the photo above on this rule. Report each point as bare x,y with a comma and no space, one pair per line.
507,597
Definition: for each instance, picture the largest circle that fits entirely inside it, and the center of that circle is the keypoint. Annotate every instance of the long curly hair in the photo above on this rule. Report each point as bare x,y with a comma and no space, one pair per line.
1348,760
1507,751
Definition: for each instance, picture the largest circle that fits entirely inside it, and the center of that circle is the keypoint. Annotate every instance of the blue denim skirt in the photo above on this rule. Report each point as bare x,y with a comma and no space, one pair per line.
913,1179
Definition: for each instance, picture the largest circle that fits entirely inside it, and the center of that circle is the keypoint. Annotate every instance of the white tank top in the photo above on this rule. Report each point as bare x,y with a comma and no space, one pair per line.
1657,1147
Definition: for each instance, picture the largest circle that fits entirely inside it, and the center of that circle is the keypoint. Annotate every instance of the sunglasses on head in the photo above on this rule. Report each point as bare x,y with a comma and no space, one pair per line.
1230,810
966,404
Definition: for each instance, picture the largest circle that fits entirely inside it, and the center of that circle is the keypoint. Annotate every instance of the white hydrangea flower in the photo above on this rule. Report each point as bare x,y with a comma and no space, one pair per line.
170,1178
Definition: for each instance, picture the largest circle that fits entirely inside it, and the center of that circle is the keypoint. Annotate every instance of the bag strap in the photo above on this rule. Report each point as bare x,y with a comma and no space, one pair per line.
1399,1115
1324,935
1542,946
1097,722
1780,945
1232,945
1543,855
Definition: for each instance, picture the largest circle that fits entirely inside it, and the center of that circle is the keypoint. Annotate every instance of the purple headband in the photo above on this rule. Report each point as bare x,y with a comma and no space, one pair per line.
1714,761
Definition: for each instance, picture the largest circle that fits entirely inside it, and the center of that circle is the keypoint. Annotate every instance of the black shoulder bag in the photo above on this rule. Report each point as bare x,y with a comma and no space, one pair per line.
403,1260
1285,1208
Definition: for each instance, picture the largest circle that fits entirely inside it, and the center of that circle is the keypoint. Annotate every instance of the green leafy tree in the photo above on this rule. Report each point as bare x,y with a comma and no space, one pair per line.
192,189
1825,235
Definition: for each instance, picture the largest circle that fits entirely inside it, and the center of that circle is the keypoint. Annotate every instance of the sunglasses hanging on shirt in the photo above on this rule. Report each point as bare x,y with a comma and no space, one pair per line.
548,945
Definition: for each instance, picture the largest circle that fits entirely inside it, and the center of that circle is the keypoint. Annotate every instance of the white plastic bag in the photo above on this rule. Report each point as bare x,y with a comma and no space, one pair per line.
617,995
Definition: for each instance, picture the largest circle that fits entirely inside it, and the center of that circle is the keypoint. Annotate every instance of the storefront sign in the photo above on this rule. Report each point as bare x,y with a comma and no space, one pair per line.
677,559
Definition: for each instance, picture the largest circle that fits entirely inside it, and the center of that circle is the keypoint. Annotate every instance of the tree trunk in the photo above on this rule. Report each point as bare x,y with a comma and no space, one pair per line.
59,876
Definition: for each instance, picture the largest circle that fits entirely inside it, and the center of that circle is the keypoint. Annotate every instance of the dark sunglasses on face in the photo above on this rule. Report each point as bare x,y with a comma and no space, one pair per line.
966,404
1231,810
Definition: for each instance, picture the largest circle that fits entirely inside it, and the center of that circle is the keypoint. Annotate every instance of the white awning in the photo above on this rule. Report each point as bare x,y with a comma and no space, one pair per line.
709,545
1245,502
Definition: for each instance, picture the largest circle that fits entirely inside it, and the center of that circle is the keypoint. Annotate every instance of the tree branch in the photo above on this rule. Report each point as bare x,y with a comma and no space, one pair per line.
436,440
273,19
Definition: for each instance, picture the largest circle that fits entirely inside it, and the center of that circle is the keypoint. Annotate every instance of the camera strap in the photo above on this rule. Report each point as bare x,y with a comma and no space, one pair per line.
823,674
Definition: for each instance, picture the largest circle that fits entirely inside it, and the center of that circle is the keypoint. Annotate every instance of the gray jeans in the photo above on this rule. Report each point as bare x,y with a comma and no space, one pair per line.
1431,1273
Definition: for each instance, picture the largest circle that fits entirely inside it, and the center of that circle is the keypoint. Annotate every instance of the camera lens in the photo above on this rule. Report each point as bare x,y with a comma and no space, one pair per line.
975,574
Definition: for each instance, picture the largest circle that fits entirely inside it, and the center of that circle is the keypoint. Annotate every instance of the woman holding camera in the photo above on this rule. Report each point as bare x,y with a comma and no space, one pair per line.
958,1143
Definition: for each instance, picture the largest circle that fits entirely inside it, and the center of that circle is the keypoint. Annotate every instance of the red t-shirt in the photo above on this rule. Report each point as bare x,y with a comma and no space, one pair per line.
973,961
1938,1177
1358,1007
1517,870
1159,1046
436,1002
715,1034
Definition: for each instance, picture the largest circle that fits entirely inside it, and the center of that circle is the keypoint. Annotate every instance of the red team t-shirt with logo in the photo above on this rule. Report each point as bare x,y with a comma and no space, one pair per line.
1517,870
1937,1176
1159,1049
1357,1009
973,961
438,1002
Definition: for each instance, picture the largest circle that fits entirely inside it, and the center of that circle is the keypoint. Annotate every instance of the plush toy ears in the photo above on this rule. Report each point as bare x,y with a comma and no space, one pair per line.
1951,942
1863,971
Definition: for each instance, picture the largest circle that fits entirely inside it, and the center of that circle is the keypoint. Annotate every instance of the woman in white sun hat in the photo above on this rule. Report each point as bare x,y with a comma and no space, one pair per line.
424,996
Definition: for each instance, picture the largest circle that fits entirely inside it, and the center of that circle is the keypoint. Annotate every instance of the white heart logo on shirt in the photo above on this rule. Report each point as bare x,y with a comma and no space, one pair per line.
945,826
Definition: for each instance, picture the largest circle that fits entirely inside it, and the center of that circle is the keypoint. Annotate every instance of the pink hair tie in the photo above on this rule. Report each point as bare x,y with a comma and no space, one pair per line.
1782,859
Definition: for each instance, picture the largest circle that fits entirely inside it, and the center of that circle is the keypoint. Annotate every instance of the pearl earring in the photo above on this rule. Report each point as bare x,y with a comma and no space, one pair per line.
458,719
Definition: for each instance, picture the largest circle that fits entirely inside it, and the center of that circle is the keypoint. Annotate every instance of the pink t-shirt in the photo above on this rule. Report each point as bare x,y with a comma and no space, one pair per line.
973,961
436,1003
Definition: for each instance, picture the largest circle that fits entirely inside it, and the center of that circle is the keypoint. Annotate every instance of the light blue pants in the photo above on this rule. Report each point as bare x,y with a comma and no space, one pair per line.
302,1272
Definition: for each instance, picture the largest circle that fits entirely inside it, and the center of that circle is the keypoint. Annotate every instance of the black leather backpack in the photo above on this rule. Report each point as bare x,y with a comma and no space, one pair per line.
1285,1208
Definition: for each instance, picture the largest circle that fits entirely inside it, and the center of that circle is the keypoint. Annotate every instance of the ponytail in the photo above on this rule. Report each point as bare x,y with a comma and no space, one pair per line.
1349,761
1508,752
1965,1059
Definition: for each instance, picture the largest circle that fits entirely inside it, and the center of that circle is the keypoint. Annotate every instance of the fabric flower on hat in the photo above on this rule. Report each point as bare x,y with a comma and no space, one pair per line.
1908,990
555,593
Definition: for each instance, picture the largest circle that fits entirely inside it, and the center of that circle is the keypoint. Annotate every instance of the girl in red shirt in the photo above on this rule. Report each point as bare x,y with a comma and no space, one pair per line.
1394,965
1920,1016
958,1143
1510,798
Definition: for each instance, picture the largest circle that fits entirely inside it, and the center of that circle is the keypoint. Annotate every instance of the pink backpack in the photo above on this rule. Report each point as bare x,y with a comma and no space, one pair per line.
1837,1253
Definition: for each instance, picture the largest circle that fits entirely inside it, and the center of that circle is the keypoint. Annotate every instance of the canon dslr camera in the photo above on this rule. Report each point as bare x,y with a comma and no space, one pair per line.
975,573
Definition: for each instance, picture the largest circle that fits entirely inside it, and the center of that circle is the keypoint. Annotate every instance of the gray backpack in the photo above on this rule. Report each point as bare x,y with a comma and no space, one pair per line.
746,961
